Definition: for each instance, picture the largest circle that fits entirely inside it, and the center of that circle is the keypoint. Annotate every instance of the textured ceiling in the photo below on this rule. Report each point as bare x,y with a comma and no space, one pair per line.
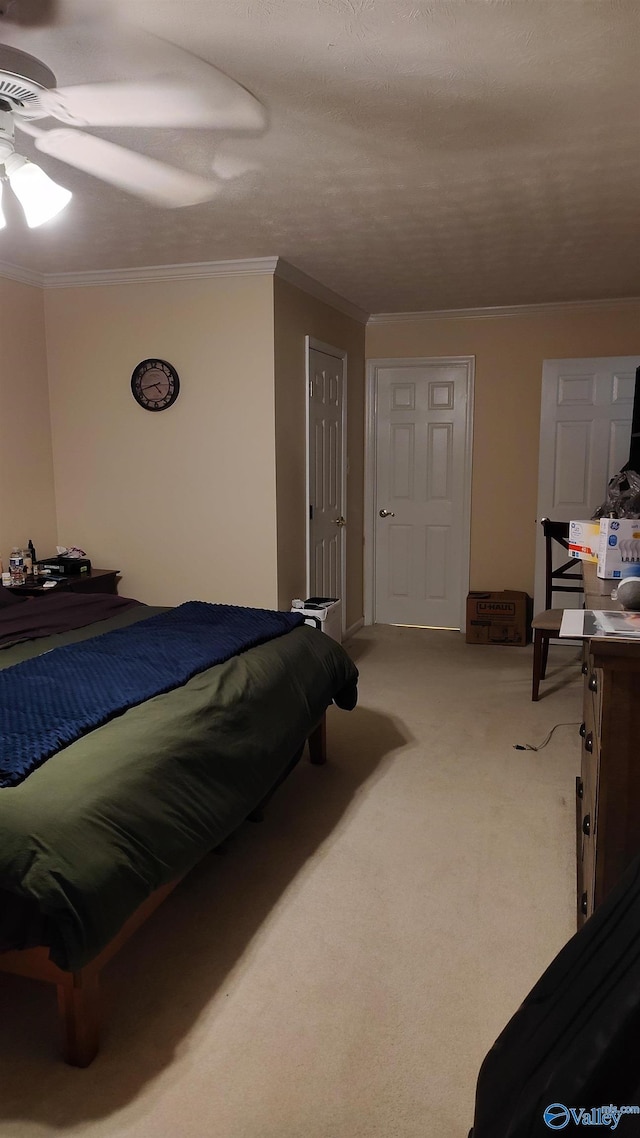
448,154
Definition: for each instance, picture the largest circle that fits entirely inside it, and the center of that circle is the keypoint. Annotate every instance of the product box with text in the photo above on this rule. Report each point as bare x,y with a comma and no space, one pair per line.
584,540
619,545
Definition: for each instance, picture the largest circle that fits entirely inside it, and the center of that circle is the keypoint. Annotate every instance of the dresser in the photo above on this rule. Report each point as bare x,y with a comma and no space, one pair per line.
608,787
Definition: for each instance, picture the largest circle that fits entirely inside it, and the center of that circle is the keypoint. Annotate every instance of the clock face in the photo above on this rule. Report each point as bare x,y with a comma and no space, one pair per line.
155,385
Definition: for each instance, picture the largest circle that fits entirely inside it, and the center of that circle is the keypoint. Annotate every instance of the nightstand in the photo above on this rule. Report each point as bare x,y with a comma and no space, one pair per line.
95,581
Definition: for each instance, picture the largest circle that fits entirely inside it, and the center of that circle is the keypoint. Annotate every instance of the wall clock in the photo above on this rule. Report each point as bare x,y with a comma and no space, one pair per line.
155,385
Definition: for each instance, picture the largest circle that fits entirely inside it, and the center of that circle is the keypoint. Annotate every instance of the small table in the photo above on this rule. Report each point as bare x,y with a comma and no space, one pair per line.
95,581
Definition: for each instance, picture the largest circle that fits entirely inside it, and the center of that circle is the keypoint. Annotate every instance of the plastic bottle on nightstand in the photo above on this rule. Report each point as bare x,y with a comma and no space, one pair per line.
16,566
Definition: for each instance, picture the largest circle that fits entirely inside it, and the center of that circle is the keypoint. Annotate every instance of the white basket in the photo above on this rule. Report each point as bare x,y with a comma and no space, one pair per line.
327,616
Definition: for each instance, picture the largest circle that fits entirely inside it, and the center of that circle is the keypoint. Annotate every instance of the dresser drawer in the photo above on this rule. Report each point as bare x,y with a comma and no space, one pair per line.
593,691
587,816
608,788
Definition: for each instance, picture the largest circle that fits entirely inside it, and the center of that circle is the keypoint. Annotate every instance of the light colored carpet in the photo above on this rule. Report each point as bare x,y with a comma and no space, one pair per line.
341,971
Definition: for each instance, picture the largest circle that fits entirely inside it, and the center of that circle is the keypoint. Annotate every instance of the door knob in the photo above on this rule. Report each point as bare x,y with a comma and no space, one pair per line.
340,521
387,514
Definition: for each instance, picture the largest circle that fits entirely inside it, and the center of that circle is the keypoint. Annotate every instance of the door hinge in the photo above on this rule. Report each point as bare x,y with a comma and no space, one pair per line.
310,512
310,389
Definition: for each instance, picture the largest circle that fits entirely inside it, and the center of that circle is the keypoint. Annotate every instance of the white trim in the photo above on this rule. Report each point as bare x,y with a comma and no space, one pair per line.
277,266
326,349
250,267
498,311
370,418
371,411
24,276
310,343
307,480
294,276
353,628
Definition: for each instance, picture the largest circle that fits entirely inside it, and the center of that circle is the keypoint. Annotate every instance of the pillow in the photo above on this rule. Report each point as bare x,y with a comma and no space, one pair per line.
9,598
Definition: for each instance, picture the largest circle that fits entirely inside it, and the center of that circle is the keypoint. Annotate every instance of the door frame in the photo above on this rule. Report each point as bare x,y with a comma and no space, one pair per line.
370,468
311,344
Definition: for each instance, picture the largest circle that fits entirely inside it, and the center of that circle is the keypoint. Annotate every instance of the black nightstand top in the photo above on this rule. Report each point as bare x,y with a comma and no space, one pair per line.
95,581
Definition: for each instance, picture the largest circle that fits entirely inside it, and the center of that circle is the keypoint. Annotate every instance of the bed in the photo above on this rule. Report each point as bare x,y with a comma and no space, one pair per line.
96,836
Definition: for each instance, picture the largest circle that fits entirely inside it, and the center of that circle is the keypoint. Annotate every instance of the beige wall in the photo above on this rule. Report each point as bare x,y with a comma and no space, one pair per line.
181,501
185,502
27,504
298,315
509,352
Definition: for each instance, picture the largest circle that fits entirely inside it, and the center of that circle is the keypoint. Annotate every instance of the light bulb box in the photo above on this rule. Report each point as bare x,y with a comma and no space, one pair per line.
619,545
584,540
499,618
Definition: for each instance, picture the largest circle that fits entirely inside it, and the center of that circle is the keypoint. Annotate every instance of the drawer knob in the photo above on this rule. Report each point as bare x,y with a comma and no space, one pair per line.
579,788
585,669
583,728
588,742
593,682
586,824
583,904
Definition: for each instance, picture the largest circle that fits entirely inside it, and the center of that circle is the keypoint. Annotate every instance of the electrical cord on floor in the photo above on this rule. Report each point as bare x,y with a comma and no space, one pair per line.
530,747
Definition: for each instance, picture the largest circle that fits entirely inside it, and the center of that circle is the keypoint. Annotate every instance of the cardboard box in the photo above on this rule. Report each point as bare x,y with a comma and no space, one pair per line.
619,545
499,618
584,540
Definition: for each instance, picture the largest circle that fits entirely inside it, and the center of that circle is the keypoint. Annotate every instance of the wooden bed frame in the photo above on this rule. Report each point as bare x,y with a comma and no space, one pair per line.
79,992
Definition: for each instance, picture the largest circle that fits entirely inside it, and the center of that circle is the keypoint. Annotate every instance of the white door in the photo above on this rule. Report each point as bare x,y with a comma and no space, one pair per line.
585,432
422,491
326,567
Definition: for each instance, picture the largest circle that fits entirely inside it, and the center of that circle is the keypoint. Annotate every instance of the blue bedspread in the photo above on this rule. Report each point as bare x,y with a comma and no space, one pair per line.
48,702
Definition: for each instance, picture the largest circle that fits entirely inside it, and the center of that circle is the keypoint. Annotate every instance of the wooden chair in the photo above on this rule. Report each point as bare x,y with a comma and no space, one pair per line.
566,578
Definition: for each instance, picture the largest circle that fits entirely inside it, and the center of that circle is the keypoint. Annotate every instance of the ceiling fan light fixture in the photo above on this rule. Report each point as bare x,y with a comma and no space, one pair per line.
3,220
40,197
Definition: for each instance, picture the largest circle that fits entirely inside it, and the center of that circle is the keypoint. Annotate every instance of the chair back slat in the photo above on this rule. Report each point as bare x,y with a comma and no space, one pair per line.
569,572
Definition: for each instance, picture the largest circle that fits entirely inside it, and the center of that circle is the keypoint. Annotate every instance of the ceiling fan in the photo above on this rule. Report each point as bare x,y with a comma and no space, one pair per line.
28,93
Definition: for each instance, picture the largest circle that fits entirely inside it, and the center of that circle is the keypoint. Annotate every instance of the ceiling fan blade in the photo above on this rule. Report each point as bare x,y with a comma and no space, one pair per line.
230,166
136,173
215,101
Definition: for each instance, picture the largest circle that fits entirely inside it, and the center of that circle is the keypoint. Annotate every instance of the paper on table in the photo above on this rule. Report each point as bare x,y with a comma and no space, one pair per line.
573,623
619,623
591,622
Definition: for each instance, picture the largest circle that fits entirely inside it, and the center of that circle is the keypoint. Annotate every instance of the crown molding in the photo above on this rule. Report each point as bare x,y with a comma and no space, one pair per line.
24,276
499,311
277,266
288,272
252,266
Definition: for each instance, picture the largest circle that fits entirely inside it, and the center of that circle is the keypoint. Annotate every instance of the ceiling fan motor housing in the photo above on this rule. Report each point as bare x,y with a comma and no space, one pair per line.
23,78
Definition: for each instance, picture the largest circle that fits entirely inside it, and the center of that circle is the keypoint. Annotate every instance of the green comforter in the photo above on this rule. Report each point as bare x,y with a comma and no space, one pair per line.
90,834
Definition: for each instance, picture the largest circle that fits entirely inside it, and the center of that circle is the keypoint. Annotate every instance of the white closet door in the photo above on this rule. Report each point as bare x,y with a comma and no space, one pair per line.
585,431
